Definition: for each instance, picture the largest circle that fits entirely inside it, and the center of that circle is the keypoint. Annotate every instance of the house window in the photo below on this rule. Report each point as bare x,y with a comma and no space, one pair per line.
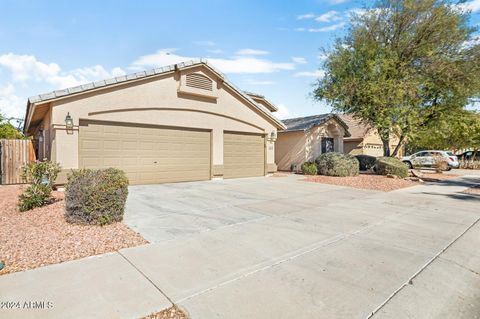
199,81
327,144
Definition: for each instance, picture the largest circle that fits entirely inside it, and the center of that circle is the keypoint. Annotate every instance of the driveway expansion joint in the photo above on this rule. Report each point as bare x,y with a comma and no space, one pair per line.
418,272
146,277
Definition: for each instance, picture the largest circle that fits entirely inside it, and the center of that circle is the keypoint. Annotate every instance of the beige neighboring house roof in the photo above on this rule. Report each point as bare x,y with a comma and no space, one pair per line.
356,127
308,122
103,84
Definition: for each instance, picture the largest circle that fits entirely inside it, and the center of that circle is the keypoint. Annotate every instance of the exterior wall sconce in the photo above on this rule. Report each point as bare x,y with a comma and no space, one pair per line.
40,135
272,137
69,123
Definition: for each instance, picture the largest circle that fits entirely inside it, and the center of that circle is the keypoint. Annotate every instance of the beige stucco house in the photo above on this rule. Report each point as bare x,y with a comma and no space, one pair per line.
364,139
183,122
307,137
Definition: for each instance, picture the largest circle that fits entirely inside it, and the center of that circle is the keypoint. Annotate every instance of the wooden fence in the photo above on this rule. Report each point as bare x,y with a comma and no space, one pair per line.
14,154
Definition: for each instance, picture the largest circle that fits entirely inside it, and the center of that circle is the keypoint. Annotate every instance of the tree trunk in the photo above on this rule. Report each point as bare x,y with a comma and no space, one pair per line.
399,145
386,147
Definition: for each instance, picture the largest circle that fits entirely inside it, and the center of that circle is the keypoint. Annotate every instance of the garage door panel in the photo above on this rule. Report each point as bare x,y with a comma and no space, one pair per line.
146,154
244,155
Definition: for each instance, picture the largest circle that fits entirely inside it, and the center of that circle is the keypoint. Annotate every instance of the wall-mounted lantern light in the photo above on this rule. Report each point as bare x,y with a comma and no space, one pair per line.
40,135
273,136
69,121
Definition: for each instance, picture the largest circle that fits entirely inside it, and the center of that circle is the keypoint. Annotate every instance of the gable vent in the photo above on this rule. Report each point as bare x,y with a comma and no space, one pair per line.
199,81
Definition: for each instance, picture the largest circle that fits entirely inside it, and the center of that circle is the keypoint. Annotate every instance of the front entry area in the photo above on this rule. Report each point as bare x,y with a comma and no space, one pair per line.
147,154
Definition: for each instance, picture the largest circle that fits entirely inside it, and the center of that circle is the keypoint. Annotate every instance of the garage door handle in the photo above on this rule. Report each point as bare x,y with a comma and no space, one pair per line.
155,162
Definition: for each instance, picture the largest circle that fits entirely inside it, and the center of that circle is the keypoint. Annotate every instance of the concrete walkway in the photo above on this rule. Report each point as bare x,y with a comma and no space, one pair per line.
275,248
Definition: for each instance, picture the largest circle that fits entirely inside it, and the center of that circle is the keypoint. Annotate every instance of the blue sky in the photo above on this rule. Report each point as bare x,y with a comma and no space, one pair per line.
268,47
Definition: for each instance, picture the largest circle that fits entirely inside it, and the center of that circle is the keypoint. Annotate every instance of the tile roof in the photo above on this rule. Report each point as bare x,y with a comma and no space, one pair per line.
139,75
307,122
357,128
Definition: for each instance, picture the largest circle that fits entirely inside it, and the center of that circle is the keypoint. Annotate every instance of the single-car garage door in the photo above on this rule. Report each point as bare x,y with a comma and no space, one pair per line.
147,154
243,155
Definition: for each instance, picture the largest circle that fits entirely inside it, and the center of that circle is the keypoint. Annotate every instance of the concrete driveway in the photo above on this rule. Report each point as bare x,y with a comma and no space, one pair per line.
279,247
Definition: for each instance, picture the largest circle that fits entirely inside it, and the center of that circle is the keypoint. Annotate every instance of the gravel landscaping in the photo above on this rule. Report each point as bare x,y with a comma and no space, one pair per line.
364,181
42,236
170,313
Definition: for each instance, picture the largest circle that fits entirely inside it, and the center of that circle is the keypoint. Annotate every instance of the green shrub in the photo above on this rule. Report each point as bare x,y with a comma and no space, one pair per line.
366,162
34,196
337,164
95,197
309,168
391,166
42,175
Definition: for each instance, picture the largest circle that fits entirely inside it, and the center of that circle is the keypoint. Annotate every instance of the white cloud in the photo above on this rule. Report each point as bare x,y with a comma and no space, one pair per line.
337,1
300,29
473,5
299,60
328,28
25,68
251,52
314,74
11,105
237,64
306,16
329,16
283,112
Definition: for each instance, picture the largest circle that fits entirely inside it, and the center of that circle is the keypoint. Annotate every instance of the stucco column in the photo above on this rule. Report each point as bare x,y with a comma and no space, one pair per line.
217,153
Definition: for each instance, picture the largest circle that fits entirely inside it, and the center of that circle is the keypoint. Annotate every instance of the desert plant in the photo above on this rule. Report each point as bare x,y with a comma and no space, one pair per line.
391,166
34,196
337,164
42,175
309,168
440,164
366,162
96,197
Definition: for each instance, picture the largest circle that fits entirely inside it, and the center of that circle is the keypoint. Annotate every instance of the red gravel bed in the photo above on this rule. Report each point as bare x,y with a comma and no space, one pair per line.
170,313
364,181
42,236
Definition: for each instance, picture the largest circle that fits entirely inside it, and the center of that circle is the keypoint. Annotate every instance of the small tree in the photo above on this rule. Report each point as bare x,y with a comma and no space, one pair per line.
402,65
7,130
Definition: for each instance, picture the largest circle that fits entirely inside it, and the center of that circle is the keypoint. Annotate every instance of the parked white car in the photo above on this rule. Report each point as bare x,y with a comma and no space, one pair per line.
427,159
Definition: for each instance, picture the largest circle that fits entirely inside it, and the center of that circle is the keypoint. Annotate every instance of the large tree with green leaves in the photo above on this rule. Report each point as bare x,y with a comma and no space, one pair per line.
402,64
456,131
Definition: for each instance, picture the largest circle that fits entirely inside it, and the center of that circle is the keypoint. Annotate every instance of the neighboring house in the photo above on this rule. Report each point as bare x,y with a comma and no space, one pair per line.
307,137
183,122
364,139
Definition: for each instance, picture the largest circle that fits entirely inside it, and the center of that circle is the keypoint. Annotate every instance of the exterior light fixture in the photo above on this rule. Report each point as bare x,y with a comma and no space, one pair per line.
273,136
40,135
69,121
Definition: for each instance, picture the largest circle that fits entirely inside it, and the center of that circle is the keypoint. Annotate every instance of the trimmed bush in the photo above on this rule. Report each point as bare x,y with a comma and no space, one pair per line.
96,197
366,162
391,166
337,164
309,168
42,175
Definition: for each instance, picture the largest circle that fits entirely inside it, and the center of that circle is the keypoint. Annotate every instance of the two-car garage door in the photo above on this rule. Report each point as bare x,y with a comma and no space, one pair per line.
150,154
147,154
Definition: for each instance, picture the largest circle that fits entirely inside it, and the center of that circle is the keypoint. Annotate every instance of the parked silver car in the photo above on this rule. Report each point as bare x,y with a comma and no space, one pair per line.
427,159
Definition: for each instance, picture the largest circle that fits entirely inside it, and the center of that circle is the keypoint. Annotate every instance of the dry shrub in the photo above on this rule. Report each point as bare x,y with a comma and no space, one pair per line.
96,197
